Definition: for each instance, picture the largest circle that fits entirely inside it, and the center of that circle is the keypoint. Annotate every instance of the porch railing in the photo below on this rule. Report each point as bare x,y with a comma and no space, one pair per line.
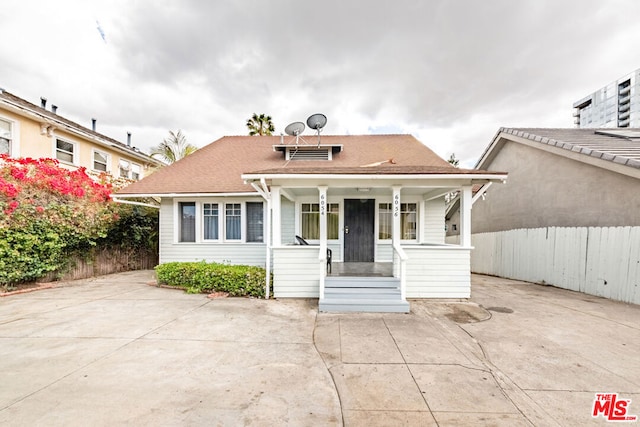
401,272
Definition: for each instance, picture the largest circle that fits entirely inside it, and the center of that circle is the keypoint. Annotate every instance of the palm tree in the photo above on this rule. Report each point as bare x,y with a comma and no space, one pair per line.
173,148
260,125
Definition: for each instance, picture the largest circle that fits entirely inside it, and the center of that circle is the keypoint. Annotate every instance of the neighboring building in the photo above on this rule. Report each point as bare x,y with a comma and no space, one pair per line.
559,178
616,105
570,214
28,130
377,202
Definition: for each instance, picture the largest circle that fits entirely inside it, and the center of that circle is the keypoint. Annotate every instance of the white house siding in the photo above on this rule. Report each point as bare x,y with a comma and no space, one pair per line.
234,253
598,261
287,221
437,272
384,252
296,271
433,225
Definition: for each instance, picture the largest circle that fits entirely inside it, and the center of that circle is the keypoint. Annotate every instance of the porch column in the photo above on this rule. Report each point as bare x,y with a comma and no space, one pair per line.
395,227
465,216
323,236
276,223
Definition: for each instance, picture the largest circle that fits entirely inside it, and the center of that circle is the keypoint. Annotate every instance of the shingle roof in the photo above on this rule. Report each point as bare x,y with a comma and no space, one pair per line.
217,167
621,146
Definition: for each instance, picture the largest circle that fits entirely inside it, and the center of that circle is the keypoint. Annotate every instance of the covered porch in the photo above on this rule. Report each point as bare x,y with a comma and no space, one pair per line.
384,229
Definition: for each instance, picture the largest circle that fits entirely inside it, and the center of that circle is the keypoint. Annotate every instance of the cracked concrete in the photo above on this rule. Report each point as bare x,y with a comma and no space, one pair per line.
113,350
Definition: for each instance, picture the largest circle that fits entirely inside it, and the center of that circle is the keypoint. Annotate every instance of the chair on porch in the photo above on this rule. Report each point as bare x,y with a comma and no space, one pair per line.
303,242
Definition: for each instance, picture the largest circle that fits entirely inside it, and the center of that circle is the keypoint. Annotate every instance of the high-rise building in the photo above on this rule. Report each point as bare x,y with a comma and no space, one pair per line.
616,105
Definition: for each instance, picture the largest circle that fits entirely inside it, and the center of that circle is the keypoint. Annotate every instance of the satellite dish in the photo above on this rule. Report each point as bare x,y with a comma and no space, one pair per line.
294,129
317,121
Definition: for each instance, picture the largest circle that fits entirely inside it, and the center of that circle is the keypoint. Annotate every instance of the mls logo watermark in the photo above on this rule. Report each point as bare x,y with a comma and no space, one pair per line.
612,408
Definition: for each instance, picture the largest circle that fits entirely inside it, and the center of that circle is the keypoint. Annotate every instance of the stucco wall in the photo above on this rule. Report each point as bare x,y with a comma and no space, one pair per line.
544,189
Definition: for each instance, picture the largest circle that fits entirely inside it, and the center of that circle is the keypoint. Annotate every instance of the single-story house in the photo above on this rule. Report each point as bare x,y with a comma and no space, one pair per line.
371,209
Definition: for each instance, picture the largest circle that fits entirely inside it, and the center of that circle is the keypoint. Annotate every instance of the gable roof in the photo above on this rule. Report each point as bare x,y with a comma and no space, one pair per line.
616,146
25,108
217,167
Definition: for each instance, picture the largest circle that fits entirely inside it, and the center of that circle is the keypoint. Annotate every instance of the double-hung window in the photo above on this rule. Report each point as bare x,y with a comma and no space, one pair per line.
129,170
100,160
408,221
5,137
255,222
385,221
65,151
211,215
187,212
233,221
310,221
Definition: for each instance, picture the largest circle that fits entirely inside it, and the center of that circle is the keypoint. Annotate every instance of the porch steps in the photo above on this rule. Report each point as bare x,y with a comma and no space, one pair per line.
346,294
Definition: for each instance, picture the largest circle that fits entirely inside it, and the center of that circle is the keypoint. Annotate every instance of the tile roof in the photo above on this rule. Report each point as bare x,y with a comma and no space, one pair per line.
217,167
618,145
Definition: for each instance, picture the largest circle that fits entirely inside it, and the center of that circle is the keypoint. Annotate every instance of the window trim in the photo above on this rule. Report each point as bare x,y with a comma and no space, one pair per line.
221,202
330,201
107,161
419,219
14,130
75,154
129,170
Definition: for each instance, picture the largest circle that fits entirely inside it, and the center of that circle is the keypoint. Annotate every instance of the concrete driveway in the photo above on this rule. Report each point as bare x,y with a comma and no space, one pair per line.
113,350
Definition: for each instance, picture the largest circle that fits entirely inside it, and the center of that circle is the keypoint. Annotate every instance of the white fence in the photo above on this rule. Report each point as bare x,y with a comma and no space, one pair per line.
597,261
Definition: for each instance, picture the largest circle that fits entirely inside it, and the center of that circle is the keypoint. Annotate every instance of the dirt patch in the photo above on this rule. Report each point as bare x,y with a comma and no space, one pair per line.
466,313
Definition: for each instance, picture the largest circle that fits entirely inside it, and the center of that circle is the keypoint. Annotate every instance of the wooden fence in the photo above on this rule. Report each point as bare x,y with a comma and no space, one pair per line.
105,261
598,261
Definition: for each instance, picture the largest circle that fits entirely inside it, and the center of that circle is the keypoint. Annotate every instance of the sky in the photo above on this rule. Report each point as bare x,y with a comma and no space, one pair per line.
449,72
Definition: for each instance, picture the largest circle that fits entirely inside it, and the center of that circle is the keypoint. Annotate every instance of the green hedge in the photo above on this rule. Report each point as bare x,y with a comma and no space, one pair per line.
203,277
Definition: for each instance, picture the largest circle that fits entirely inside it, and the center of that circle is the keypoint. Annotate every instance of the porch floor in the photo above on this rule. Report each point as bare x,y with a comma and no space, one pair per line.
362,269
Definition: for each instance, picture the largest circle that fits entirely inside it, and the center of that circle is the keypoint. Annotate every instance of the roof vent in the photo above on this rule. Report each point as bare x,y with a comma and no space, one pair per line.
43,102
308,153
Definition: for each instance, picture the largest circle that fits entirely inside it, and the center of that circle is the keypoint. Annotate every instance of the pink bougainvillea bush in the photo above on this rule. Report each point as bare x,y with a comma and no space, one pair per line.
45,210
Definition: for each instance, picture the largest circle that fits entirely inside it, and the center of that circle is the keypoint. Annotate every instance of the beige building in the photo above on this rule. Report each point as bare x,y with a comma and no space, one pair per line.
558,178
28,130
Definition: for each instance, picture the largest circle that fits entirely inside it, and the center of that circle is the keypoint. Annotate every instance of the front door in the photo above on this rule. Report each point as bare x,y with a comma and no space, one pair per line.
359,234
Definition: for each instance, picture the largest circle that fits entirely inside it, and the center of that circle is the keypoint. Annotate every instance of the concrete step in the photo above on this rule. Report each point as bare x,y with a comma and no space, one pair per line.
392,293
361,282
368,305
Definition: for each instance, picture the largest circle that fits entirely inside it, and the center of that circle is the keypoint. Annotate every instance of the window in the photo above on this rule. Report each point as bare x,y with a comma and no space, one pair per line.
65,151
385,221
128,170
5,137
135,171
255,228
100,161
311,221
408,221
187,221
210,218
124,167
233,215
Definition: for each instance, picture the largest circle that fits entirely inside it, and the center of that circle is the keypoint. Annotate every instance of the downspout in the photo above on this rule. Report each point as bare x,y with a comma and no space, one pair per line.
263,190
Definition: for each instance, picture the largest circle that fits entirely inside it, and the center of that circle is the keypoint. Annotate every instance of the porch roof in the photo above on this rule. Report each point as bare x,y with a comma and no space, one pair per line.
375,170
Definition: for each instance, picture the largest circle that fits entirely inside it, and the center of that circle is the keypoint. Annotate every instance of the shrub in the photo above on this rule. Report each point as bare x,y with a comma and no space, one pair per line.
203,277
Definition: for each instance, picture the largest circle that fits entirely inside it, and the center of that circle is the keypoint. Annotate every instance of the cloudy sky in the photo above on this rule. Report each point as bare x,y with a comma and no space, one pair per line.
450,72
